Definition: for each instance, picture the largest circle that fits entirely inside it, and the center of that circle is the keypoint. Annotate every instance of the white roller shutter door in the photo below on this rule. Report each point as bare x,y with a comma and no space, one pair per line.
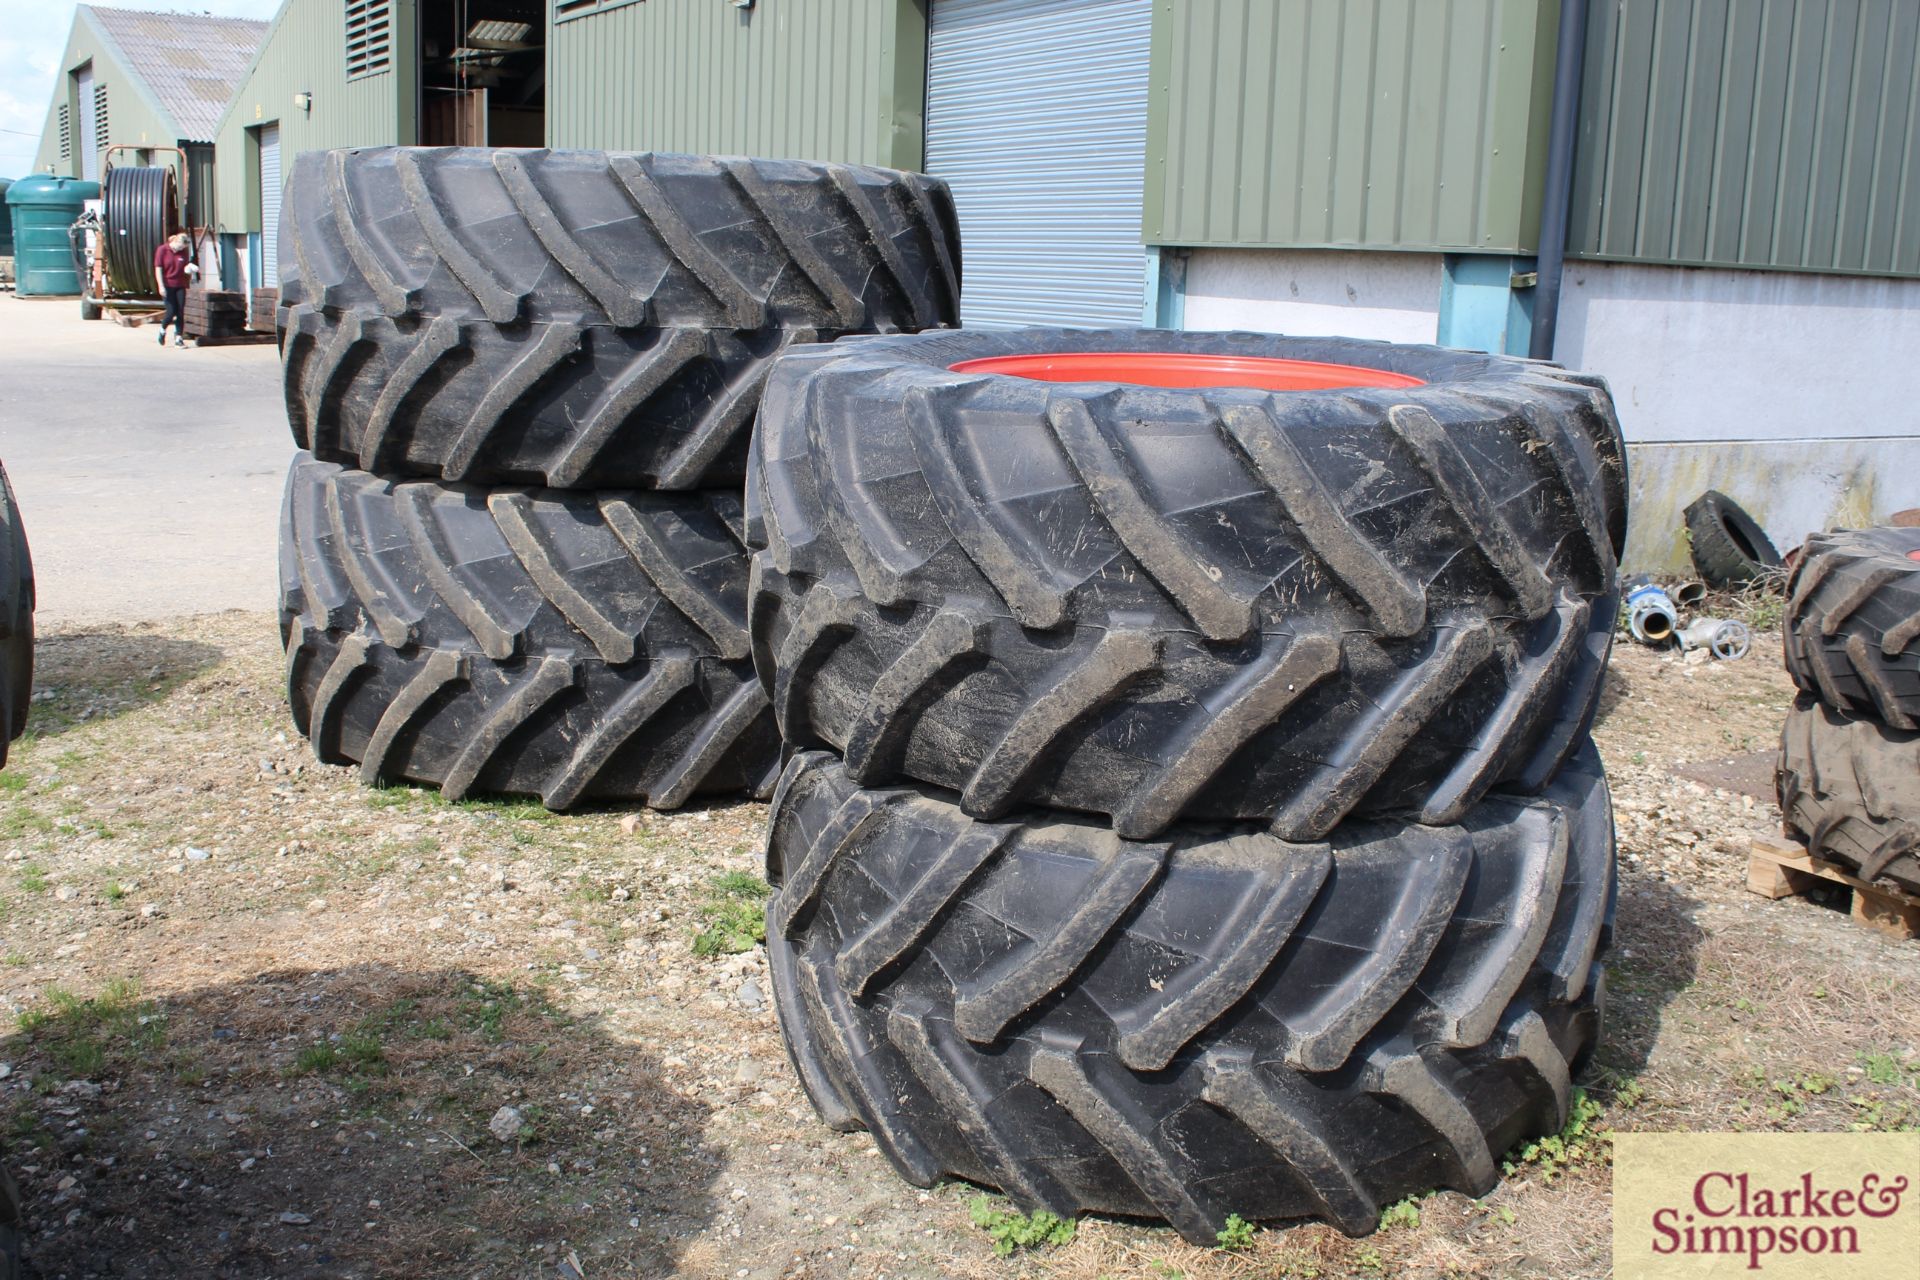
269,206
1037,116
89,127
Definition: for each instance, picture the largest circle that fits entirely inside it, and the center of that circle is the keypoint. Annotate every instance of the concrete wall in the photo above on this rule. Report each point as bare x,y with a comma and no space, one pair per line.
1792,487
1710,354
1391,296
1789,392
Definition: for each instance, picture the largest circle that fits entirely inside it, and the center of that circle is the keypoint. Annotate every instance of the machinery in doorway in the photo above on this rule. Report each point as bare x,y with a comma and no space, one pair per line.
114,239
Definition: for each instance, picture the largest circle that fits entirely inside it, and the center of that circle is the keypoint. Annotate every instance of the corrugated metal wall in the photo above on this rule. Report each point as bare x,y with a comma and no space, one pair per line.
1398,124
815,79
305,52
1752,133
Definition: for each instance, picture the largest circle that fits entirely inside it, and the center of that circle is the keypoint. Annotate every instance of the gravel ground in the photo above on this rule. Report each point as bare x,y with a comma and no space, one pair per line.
270,1022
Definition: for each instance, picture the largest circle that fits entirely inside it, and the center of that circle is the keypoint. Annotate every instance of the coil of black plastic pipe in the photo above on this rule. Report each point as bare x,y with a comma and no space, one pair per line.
139,213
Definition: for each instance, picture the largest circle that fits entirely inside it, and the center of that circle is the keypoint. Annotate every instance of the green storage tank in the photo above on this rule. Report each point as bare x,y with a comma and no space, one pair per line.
43,207
6,224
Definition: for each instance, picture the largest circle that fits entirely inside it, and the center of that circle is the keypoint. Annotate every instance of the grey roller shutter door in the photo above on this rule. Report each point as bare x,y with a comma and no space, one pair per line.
89,127
1037,116
269,206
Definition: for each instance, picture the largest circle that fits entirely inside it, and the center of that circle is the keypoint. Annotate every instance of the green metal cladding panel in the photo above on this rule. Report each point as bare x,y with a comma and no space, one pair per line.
305,52
1379,124
1779,134
132,114
841,80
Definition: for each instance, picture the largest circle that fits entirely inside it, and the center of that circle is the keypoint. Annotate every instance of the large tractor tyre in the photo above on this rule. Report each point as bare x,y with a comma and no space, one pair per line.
16,620
1853,619
1206,601
1217,1022
582,319
1728,546
1850,788
575,647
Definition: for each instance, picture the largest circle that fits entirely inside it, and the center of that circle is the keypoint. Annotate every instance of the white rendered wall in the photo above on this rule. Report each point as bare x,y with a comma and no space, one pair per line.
1390,296
1703,354
1789,392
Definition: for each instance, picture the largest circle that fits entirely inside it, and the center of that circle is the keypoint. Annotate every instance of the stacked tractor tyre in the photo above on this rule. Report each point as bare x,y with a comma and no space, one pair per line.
522,382
1190,809
1183,801
1849,778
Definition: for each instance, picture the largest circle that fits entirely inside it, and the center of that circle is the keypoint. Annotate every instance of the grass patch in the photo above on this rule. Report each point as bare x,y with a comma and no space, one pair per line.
734,914
1013,1231
83,1035
115,891
33,878
1405,1213
386,796
21,821
484,1007
315,1059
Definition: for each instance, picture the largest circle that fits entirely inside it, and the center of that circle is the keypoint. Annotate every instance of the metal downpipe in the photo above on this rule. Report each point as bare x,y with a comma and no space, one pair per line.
1570,50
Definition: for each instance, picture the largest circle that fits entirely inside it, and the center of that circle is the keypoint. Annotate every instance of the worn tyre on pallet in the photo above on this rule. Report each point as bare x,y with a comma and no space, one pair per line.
16,620
1850,787
1728,546
570,646
582,319
1216,1022
1852,628
1154,575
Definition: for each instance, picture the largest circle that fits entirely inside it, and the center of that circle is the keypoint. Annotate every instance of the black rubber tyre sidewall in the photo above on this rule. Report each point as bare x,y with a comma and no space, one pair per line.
900,501
857,871
1728,546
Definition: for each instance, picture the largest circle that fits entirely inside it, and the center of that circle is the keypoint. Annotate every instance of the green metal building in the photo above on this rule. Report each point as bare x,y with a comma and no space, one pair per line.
354,73
132,84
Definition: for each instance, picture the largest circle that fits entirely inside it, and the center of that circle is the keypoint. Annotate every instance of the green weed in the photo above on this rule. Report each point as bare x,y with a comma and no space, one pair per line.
1012,1231
1881,1068
1236,1235
315,1059
1405,1213
735,915
1578,1143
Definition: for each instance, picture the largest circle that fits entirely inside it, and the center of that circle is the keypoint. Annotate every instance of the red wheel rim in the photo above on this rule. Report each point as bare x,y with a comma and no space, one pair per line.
1179,369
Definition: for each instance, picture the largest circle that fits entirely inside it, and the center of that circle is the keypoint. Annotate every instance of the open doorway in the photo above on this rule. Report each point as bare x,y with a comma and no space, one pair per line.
483,73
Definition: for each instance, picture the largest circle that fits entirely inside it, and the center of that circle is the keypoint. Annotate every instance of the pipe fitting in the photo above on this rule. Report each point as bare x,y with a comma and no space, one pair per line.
1725,638
1651,615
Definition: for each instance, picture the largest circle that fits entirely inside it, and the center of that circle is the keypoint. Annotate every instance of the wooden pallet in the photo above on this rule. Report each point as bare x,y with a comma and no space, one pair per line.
1782,868
260,305
241,338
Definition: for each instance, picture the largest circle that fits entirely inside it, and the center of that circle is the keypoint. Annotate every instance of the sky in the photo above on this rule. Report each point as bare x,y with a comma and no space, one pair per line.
33,34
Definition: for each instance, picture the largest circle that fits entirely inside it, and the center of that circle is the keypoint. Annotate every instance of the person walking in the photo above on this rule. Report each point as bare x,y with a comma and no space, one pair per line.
172,269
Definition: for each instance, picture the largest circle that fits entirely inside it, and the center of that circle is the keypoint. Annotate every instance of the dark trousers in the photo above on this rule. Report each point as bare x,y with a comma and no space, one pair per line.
176,311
